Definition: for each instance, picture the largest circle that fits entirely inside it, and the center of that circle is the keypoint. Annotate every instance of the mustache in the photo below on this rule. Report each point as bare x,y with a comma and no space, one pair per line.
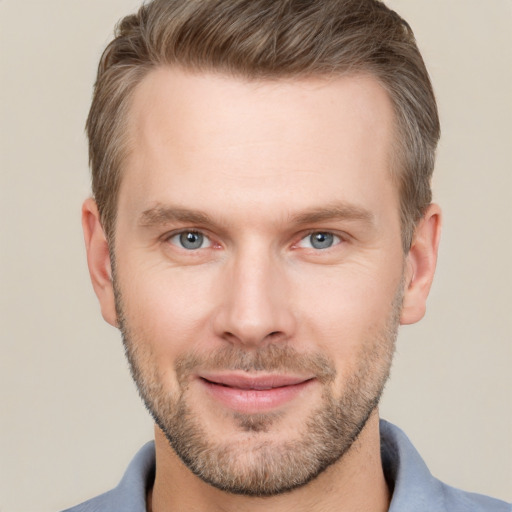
271,359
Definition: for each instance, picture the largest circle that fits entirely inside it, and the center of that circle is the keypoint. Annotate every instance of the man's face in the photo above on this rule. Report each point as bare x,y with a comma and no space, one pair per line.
259,269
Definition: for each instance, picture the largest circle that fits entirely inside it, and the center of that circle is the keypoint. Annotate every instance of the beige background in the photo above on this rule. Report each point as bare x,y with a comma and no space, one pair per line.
69,415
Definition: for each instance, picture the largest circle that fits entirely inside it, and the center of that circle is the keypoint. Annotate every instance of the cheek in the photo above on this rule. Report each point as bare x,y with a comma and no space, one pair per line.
346,310
168,308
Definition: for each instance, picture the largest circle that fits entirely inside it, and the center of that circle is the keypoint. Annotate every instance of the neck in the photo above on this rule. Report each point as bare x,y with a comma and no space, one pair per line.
354,483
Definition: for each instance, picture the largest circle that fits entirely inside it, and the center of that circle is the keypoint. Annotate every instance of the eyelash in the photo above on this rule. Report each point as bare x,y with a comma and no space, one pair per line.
194,232
336,239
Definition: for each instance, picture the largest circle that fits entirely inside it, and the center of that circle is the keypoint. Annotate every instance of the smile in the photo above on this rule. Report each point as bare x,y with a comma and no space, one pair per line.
252,394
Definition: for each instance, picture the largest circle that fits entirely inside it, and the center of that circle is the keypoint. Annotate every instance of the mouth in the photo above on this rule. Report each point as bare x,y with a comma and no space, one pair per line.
253,393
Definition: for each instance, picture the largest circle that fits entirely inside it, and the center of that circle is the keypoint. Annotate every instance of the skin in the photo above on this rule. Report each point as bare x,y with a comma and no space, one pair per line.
266,164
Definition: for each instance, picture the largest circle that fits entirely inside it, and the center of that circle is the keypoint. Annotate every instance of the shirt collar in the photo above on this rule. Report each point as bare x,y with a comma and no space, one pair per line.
411,483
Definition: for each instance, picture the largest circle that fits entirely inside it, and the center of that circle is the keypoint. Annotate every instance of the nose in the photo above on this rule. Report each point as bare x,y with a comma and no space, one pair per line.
255,306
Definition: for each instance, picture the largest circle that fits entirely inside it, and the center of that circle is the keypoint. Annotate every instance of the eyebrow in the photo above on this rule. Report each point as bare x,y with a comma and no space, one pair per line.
161,215
341,211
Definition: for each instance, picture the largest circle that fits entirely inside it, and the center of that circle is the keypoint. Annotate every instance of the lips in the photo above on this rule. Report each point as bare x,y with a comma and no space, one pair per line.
254,393
261,382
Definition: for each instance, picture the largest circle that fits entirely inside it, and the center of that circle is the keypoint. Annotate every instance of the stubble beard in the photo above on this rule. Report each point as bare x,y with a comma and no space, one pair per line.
253,465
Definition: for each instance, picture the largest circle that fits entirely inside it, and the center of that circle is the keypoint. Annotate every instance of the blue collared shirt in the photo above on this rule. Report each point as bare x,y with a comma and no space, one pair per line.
414,489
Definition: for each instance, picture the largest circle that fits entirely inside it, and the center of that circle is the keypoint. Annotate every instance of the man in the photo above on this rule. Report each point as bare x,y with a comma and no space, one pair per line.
261,225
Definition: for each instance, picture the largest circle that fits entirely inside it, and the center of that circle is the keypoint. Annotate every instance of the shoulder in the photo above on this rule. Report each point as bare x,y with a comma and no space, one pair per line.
414,487
130,494
456,499
106,502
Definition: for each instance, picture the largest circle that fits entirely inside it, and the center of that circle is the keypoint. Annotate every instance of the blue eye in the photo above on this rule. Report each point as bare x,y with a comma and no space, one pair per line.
320,240
190,240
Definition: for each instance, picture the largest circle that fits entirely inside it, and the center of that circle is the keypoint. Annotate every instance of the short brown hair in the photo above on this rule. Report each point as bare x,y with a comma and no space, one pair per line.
268,39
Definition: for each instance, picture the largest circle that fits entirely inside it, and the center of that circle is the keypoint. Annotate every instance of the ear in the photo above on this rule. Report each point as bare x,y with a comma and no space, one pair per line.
98,260
420,265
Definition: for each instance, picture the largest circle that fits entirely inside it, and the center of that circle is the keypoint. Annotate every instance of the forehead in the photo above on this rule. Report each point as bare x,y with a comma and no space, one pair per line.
261,141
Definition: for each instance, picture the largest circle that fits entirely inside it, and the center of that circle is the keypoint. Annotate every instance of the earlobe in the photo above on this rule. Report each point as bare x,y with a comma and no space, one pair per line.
420,265
98,260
